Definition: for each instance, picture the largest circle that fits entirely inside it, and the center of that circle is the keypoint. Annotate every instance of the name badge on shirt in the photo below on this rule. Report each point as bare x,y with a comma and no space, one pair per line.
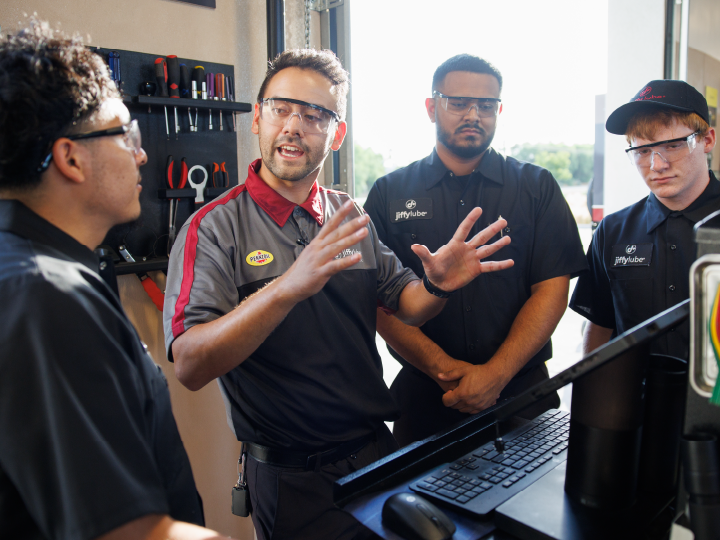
631,255
409,209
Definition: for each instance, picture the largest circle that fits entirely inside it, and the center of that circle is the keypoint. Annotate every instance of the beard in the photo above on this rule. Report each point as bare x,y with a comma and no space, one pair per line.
468,148
313,159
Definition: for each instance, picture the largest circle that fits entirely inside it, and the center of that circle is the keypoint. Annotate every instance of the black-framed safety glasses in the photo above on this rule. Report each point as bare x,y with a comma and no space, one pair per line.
131,133
460,106
669,151
313,118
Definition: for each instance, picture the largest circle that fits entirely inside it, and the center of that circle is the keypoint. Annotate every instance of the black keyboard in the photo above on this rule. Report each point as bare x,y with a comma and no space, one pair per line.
483,479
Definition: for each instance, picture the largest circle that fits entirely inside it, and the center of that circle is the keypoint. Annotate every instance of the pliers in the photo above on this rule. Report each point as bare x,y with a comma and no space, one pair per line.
220,176
174,202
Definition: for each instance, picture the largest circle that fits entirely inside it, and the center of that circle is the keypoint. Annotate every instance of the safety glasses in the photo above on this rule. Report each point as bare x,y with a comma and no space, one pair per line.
669,151
130,132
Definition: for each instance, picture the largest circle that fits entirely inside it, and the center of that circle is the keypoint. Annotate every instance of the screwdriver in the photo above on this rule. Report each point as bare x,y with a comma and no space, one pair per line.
161,77
220,93
185,90
173,68
198,80
210,93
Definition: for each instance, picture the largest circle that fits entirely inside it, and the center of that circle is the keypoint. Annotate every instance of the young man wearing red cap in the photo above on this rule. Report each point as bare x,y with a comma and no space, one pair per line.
640,256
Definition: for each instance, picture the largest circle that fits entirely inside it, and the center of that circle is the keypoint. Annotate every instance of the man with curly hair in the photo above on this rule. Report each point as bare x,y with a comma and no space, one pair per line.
89,447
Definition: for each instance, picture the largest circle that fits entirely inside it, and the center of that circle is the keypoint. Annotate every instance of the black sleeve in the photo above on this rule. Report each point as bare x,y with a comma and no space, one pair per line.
557,248
73,441
376,207
592,297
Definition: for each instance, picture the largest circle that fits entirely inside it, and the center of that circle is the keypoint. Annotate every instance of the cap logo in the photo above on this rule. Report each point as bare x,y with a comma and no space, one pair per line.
259,258
647,94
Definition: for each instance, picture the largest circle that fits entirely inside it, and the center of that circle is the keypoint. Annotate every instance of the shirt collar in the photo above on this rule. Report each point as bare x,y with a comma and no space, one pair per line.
277,206
490,167
16,218
657,212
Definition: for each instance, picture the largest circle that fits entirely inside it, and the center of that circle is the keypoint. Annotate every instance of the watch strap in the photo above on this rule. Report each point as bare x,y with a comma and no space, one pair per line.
432,289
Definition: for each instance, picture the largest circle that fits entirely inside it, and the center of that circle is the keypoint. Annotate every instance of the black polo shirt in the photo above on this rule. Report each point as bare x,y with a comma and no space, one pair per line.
88,441
640,260
424,203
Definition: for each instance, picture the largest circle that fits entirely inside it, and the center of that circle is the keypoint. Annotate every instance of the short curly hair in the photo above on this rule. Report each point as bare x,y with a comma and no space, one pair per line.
49,85
323,62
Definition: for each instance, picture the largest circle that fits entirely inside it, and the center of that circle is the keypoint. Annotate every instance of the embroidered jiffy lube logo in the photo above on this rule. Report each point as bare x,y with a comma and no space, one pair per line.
631,255
647,94
259,258
408,209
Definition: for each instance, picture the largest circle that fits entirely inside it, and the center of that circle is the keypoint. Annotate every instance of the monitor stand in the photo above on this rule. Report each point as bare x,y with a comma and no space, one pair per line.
544,511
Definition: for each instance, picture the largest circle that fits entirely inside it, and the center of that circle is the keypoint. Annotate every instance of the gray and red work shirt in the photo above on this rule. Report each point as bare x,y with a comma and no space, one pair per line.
317,379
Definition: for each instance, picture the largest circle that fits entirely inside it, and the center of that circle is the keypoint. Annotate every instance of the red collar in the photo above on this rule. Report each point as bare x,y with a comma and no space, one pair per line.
277,206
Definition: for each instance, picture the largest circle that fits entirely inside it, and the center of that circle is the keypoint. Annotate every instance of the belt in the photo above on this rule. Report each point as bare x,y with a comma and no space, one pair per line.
300,460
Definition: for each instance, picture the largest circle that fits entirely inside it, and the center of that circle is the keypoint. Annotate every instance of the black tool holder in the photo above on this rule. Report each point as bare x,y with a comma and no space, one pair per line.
146,238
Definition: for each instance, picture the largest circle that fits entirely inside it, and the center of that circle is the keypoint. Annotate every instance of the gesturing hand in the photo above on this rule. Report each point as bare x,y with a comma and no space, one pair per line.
317,263
458,262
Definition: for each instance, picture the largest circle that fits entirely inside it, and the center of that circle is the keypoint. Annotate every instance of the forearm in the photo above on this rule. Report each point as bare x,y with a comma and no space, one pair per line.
415,347
595,336
417,306
532,328
210,350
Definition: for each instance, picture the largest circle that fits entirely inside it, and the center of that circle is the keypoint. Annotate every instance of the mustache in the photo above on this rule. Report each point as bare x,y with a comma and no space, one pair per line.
295,141
470,126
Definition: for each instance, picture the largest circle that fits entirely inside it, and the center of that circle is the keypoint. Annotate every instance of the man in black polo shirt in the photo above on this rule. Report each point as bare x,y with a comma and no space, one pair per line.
88,443
640,256
492,339
273,289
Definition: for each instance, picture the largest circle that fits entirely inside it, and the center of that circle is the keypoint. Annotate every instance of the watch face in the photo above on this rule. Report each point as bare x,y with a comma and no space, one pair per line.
704,323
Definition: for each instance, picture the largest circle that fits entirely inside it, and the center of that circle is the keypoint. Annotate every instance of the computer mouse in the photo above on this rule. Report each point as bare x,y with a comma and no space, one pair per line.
412,517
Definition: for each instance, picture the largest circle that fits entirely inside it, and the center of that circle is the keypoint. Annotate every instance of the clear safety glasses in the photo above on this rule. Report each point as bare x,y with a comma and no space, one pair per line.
460,106
669,151
130,132
313,118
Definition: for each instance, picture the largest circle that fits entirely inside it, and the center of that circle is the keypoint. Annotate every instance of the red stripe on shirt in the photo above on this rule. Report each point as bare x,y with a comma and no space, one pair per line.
191,240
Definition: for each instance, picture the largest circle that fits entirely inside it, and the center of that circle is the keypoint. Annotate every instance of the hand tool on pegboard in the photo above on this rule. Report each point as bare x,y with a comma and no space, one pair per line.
151,288
199,187
174,203
220,176
198,83
186,90
210,77
161,75
173,67
220,93
114,64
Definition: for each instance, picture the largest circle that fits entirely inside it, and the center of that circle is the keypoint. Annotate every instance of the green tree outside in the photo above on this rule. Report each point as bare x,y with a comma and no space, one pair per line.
570,165
369,166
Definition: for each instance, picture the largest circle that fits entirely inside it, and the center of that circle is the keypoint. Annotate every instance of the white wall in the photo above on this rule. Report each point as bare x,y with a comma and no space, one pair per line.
636,49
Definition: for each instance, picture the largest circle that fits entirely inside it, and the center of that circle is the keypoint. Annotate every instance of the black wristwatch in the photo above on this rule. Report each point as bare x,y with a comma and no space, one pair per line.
432,289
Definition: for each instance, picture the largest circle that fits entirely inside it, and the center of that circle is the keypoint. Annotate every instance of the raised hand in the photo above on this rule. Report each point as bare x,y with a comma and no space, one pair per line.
458,262
317,263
